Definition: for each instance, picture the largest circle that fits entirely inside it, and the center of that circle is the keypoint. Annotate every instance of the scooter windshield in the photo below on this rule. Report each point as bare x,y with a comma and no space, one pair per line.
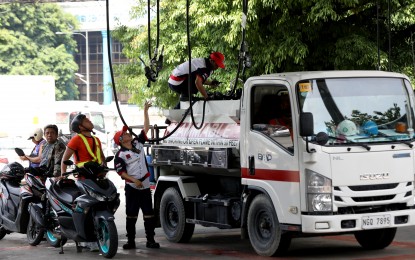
359,110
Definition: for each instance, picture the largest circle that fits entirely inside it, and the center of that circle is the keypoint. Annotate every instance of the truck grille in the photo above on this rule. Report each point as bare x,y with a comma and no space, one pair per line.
374,187
373,198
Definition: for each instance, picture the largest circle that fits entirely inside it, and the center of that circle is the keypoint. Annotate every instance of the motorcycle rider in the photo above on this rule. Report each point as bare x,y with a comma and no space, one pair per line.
130,164
53,150
85,147
35,156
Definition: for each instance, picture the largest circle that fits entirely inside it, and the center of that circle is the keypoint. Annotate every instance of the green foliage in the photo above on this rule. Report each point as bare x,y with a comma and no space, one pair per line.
291,35
379,118
29,45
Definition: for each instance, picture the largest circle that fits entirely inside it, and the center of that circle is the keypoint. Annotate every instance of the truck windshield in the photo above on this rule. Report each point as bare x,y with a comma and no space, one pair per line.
358,109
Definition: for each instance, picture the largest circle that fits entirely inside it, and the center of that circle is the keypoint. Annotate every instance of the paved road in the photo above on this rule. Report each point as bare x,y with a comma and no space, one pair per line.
209,243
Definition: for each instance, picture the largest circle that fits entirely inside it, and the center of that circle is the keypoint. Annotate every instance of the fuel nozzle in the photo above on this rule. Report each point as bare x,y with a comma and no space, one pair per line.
160,60
245,56
149,73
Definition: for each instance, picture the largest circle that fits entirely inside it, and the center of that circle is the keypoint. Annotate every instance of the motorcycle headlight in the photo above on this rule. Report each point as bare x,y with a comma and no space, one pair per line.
96,195
319,192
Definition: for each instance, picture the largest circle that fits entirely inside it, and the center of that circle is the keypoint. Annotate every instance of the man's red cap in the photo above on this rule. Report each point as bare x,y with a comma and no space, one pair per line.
218,58
118,134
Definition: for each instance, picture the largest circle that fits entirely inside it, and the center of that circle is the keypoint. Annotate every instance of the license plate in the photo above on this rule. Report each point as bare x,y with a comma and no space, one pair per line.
377,221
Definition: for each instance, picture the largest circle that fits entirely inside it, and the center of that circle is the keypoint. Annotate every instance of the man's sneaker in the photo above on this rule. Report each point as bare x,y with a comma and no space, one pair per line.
152,245
129,246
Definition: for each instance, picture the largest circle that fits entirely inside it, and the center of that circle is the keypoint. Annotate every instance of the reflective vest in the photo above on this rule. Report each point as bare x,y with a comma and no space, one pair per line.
95,157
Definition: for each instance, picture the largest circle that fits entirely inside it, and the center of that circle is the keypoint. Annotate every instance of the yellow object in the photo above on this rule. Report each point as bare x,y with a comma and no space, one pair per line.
96,157
305,87
35,120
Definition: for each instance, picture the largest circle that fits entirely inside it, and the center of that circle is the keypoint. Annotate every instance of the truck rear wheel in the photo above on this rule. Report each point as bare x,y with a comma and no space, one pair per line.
376,238
264,230
173,217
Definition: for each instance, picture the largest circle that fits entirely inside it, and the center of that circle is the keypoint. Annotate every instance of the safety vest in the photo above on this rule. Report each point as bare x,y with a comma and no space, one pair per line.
95,157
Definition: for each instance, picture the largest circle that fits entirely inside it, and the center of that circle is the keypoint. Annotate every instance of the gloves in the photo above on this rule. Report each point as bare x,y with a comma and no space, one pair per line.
215,83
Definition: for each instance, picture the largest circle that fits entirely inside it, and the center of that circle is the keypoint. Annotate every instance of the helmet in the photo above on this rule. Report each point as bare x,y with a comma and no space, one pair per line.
371,128
37,135
14,171
91,170
346,128
76,122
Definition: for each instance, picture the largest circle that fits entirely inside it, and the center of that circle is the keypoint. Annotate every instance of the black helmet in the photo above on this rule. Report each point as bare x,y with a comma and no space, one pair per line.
76,122
13,171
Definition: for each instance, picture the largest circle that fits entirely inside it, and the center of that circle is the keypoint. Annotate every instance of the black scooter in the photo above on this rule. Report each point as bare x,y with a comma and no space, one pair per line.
83,209
15,199
36,179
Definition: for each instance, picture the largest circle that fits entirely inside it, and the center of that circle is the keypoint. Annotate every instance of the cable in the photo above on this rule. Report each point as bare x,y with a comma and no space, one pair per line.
110,63
389,36
244,59
377,31
189,81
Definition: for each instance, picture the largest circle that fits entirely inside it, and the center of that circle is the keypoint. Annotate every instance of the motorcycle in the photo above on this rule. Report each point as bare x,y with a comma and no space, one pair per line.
36,178
15,199
83,209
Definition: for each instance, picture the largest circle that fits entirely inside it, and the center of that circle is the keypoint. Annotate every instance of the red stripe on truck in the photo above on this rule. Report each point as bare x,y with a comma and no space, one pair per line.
272,175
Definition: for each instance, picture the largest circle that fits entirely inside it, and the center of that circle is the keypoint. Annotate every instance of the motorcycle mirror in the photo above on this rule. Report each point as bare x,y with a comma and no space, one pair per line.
109,158
19,152
68,162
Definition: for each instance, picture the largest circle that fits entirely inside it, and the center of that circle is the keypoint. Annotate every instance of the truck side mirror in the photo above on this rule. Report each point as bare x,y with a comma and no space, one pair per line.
306,124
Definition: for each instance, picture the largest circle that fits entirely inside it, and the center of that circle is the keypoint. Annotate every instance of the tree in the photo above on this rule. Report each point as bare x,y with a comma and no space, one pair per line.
290,35
29,46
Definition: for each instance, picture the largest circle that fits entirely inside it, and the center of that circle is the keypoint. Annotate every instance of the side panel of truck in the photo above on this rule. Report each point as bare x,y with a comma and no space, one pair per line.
272,152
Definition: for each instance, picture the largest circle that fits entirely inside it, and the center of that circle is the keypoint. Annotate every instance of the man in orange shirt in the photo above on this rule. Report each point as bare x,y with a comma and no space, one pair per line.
85,148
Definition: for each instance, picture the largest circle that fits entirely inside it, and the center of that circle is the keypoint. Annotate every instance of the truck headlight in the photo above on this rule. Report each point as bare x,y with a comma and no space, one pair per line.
319,192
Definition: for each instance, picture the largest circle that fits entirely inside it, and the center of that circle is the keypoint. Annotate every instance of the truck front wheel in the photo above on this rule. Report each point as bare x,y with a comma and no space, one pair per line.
173,217
264,230
375,238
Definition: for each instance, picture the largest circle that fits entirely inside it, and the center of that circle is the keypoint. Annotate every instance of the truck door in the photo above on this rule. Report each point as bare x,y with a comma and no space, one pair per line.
270,147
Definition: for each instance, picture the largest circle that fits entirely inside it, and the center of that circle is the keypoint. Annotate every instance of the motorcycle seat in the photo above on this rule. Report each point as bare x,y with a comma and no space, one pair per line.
67,190
13,188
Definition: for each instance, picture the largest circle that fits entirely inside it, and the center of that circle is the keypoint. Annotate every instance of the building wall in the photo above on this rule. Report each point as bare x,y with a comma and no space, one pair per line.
92,18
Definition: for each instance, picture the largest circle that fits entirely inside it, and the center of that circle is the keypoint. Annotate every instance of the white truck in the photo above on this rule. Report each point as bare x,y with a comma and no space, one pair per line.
343,161
66,111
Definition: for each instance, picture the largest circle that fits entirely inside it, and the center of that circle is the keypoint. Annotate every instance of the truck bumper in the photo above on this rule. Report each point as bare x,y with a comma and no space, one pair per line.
356,222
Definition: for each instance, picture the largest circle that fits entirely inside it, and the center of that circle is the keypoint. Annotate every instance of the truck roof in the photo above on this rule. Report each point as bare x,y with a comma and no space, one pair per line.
304,75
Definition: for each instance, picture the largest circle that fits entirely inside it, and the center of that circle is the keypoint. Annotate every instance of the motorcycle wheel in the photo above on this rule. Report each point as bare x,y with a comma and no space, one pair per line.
107,238
34,233
3,232
54,240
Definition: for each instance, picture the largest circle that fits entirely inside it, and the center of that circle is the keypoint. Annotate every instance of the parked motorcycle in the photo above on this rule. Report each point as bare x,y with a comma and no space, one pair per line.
83,209
35,179
16,197
14,200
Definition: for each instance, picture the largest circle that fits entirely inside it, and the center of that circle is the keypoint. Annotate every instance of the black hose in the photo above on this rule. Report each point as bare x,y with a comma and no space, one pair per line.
189,81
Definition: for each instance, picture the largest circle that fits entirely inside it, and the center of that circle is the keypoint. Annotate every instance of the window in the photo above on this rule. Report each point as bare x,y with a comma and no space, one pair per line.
271,114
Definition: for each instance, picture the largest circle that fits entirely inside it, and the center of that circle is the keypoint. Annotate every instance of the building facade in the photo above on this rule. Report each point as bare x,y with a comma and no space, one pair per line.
92,34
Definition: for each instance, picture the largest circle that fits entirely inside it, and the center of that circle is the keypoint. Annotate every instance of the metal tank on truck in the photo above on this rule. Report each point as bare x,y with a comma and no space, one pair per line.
300,154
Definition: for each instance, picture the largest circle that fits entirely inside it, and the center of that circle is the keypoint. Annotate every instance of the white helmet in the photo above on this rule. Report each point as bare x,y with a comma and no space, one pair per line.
37,135
346,128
